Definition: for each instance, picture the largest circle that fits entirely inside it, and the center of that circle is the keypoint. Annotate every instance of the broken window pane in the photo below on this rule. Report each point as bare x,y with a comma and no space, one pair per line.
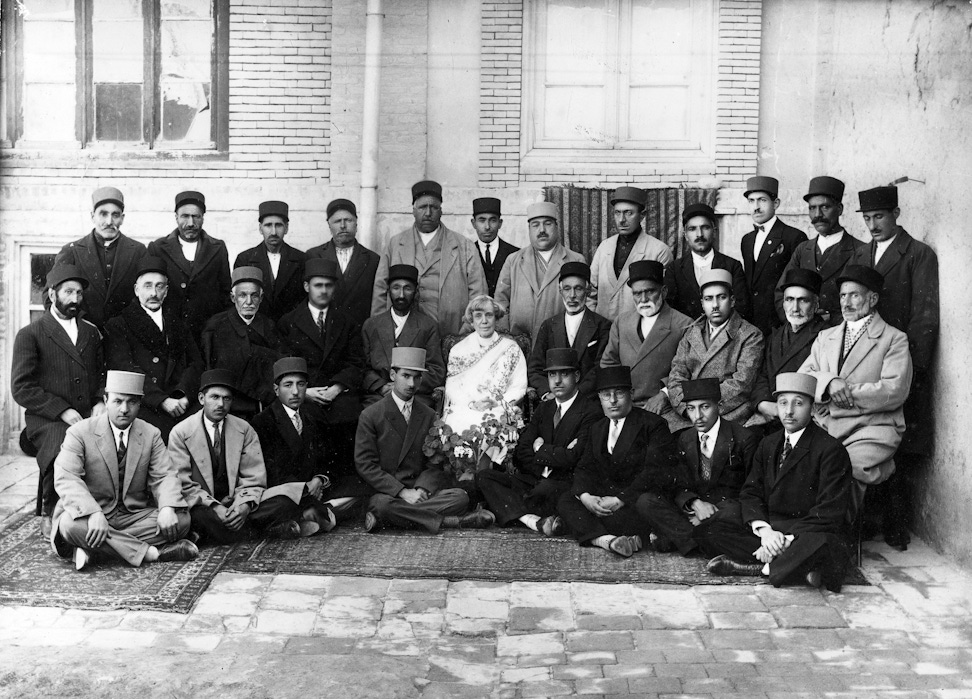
118,112
40,265
186,115
186,8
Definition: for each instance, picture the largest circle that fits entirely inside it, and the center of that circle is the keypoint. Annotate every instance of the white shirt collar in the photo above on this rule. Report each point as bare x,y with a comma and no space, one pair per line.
426,238
565,405
115,431
713,433
882,247
289,411
188,248
825,242
398,320
399,402
648,323
315,311
156,316
768,226
210,427
854,326
574,321
703,260
794,437
70,325
248,321
714,329
546,254
493,247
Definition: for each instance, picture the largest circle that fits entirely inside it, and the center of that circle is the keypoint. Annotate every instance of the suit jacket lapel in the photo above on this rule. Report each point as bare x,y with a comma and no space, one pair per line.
60,337
690,283
355,264
107,447
136,441
584,333
330,332
286,428
892,255
308,324
287,268
627,437
865,343
773,240
234,450
407,336
721,451
800,452
637,253
552,272
450,255
204,253
170,245
124,259
199,448
801,340
659,331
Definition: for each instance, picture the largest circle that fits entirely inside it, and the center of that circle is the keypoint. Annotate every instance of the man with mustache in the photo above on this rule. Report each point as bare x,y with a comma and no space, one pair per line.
699,229
615,255
487,220
281,264
107,258
58,376
647,337
829,252
450,273
198,264
527,286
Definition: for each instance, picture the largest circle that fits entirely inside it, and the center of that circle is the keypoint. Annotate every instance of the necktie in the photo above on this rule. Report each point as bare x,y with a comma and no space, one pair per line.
705,446
320,323
489,258
705,463
407,411
298,425
787,448
217,440
121,453
557,416
613,436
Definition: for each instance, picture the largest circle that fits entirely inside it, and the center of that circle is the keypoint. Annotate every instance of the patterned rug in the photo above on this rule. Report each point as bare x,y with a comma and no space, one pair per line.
31,574
501,555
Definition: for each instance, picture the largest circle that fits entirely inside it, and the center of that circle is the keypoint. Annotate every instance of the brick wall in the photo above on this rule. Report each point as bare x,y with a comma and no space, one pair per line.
500,91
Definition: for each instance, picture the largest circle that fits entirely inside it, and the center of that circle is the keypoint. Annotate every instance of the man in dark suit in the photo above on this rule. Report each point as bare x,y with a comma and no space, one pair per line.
151,338
330,342
245,343
828,253
629,453
119,495
407,491
713,462
487,219
357,263
792,521
107,258
58,376
908,302
281,264
576,327
682,276
198,264
647,338
766,249
402,326
789,345
546,453
303,497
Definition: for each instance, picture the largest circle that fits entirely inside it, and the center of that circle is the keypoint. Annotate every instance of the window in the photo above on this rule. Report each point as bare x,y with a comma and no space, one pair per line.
621,78
130,74
40,265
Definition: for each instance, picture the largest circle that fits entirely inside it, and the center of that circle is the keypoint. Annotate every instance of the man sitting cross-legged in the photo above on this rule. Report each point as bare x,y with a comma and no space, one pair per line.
630,451
793,509
713,462
388,455
120,496
546,453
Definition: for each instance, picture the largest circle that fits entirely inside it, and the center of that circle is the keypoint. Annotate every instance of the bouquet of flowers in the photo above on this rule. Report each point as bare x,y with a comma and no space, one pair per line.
492,440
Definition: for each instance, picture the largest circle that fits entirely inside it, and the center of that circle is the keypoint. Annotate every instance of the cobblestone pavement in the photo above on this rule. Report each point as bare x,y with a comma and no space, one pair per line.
907,635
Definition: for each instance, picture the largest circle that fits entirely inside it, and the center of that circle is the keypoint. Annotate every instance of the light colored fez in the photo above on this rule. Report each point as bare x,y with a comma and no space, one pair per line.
543,208
127,382
716,276
795,382
248,274
408,358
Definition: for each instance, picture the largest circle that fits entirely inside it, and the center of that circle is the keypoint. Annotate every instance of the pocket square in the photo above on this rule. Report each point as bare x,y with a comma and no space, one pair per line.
592,343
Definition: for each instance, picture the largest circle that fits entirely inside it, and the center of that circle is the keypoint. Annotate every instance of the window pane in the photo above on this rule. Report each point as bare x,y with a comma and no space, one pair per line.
49,112
577,42
661,40
117,9
187,8
40,265
118,49
658,113
185,112
576,114
49,52
47,9
118,112
187,49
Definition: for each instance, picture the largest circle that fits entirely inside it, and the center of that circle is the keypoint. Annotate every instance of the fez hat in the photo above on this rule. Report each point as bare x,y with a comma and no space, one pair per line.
761,183
248,274
319,267
127,382
878,199
190,197
575,269
806,278
699,209
828,186
561,358
701,389
426,187
613,377
543,208
795,382
274,208
217,377
635,195
867,276
109,194
715,276
289,365
487,205
342,205
62,273
151,264
408,358
646,270
407,272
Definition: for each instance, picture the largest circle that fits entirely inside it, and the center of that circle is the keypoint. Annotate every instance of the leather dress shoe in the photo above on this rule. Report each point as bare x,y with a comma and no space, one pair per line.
625,545
477,519
814,578
371,522
181,550
551,526
284,530
723,565
81,558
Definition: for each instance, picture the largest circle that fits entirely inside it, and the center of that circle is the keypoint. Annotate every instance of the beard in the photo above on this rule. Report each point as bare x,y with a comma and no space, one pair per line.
402,305
68,310
648,310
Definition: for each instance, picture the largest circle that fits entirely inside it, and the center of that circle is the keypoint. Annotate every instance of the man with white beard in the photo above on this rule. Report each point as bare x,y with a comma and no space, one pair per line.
646,338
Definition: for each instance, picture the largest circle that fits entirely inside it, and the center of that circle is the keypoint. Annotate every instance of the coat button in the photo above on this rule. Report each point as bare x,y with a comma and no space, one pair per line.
77,379
183,285
155,379
155,360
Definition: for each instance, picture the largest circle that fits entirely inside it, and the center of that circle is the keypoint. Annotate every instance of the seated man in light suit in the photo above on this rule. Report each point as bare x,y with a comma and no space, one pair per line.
407,492
863,369
220,462
120,496
713,462
646,338
546,453
791,522
402,326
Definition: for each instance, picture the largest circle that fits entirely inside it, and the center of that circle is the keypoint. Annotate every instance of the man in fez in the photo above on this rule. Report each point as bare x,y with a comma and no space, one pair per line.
487,219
